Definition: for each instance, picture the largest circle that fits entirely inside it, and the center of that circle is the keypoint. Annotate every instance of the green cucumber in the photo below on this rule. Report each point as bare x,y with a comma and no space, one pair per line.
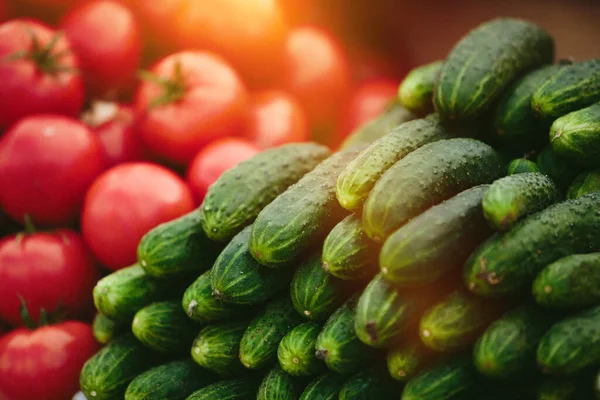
571,88
359,177
521,165
324,387
426,177
299,219
507,263
437,241
105,329
561,170
234,389
261,339
587,182
164,327
276,385
576,136
261,179
485,61
107,374
407,360
296,351
348,253
371,383
217,346
177,247
572,344
514,197
173,381
237,278
338,345
416,90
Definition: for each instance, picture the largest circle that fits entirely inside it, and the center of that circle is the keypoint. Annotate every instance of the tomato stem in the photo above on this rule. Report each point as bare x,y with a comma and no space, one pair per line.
25,316
29,226
173,88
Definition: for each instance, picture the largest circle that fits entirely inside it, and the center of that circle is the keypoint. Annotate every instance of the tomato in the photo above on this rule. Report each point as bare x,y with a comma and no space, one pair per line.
44,363
275,118
126,202
158,20
214,159
197,99
47,270
37,74
47,164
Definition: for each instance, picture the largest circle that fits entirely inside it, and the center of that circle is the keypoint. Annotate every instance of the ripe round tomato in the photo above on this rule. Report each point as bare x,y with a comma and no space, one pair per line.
44,363
37,76
126,202
46,270
109,53
200,99
275,118
47,164
214,159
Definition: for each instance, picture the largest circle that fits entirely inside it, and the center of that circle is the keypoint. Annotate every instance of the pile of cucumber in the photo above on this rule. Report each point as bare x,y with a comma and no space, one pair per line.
418,262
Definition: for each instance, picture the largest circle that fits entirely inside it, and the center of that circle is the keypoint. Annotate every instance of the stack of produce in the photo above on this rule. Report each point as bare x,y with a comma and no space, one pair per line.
425,265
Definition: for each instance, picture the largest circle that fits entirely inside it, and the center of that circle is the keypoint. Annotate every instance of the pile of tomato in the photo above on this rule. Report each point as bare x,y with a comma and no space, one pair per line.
116,116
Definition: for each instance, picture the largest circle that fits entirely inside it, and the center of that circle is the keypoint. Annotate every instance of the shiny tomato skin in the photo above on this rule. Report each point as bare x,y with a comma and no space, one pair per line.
126,202
214,159
44,363
47,164
48,270
275,118
213,104
28,90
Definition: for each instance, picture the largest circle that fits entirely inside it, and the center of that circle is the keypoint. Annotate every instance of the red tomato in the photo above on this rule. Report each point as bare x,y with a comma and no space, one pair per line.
215,159
44,363
36,79
275,118
109,53
126,202
201,99
46,270
47,164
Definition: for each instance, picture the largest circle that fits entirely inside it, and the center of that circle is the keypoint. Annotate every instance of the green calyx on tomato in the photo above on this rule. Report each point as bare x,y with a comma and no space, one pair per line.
173,89
46,318
44,57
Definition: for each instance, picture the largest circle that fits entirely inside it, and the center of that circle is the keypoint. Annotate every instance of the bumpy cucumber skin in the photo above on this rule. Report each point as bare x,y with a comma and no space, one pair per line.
437,241
507,349
561,170
296,351
521,165
348,253
576,136
368,384
105,329
217,346
276,385
514,197
359,177
416,90
572,344
587,182
570,282
426,177
484,62
261,179
405,361
571,88
234,389
299,219
324,387
261,339
508,263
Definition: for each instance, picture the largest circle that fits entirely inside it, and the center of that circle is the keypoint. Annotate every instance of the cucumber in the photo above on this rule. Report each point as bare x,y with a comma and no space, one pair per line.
259,343
324,387
562,171
338,345
424,178
571,88
507,349
296,351
348,253
508,263
298,220
173,381
261,179
416,90
437,241
359,177
371,383
177,247
553,388
314,293
572,281
217,346
576,136
237,278
587,182
514,197
572,344
276,385
406,360
521,165
105,329
484,62
233,389
107,374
